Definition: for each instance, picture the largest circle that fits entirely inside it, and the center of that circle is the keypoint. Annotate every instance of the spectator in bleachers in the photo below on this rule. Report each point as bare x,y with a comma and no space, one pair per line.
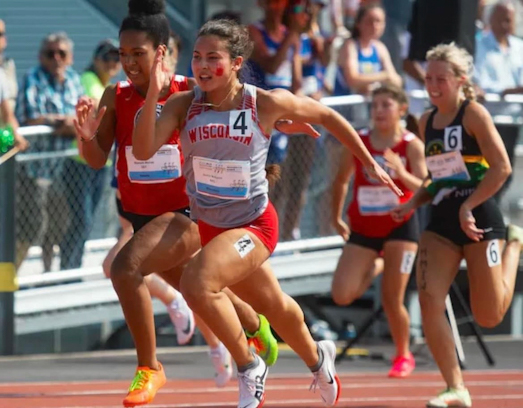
499,69
84,185
7,65
289,194
275,60
48,96
364,61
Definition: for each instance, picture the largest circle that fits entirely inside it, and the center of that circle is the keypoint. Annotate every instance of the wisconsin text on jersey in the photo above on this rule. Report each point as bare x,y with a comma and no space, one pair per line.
216,131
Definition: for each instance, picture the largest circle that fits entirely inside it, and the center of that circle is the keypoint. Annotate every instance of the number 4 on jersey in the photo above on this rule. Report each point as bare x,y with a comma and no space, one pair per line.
240,123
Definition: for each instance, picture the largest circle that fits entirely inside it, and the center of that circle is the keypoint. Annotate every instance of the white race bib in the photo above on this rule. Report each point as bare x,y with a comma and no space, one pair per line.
376,200
447,166
163,167
222,179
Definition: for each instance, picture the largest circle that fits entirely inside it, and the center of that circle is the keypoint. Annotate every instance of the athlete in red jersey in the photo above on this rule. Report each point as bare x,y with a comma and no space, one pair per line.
372,228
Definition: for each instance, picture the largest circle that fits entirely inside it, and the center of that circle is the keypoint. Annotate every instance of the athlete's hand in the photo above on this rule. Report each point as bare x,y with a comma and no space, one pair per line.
399,213
376,172
87,120
159,72
468,224
290,127
342,228
394,162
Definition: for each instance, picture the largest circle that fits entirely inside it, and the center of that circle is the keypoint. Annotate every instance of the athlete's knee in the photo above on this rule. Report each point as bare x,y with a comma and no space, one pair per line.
193,288
391,300
344,296
487,317
430,303
123,268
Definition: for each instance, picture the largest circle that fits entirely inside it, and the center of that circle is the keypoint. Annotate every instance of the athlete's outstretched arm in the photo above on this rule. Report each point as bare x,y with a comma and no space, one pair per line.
150,134
280,104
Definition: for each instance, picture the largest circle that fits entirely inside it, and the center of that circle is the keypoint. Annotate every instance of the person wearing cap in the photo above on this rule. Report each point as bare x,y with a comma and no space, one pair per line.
85,185
104,67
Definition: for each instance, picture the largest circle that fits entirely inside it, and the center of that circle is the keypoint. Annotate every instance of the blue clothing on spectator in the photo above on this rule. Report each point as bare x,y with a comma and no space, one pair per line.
498,69
367,64
312,70
41,95
282,78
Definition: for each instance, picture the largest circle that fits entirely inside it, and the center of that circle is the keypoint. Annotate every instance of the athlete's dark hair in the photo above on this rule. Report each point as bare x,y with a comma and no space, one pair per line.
399,95
148,16
239,43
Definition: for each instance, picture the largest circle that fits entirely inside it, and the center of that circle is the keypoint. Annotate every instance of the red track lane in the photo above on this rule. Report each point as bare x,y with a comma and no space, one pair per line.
489,389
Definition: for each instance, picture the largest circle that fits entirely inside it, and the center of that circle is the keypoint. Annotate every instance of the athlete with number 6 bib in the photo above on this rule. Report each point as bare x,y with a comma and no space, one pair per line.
372,229
468,164
225,135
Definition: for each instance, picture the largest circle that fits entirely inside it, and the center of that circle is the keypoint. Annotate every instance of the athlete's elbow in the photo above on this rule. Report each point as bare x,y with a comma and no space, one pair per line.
505,170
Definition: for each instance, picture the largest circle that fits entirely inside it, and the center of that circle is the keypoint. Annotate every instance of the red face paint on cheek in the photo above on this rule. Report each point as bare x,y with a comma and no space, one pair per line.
219,70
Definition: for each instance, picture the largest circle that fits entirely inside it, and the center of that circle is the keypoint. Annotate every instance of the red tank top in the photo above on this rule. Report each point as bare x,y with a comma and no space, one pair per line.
147,188
368,211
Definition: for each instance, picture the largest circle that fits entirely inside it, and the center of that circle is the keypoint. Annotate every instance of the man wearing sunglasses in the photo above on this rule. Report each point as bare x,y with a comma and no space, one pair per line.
48,96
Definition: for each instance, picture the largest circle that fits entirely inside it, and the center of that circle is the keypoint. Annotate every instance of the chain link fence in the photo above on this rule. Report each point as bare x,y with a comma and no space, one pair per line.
60,204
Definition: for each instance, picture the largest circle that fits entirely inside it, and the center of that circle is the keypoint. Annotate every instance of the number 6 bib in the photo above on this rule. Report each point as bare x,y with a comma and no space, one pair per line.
222,179
163,167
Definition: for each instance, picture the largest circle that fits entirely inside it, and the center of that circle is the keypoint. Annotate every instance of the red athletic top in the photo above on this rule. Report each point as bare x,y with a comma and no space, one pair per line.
155,186
371,202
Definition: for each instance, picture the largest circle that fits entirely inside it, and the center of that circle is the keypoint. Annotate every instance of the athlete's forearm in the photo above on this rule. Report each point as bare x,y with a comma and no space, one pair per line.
93,154
490,185
345,133
144,130
410,181
421,196
339,192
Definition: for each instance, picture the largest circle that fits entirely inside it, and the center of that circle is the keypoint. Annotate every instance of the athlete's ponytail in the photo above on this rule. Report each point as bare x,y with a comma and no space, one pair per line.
148,16
412,124
273,174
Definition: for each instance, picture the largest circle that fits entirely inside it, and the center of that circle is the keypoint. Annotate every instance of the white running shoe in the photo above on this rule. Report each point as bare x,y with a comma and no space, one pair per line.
252,385
451,397
326,378
221,359
182,318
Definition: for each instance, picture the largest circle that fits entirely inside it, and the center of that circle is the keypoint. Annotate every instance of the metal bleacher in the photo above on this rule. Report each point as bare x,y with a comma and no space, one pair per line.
58,300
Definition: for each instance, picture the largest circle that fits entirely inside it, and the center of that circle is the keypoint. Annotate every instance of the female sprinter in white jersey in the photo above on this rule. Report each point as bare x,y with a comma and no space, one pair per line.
373,232
468,164
225,127
164,237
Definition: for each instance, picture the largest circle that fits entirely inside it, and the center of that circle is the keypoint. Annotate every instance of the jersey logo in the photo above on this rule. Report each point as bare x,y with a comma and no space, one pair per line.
159,108
434,148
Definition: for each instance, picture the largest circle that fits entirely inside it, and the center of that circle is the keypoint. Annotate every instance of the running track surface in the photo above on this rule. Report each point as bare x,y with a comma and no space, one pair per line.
489,389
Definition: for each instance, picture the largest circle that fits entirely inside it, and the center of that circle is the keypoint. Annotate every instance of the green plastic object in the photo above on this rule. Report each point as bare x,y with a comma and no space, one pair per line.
7,139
